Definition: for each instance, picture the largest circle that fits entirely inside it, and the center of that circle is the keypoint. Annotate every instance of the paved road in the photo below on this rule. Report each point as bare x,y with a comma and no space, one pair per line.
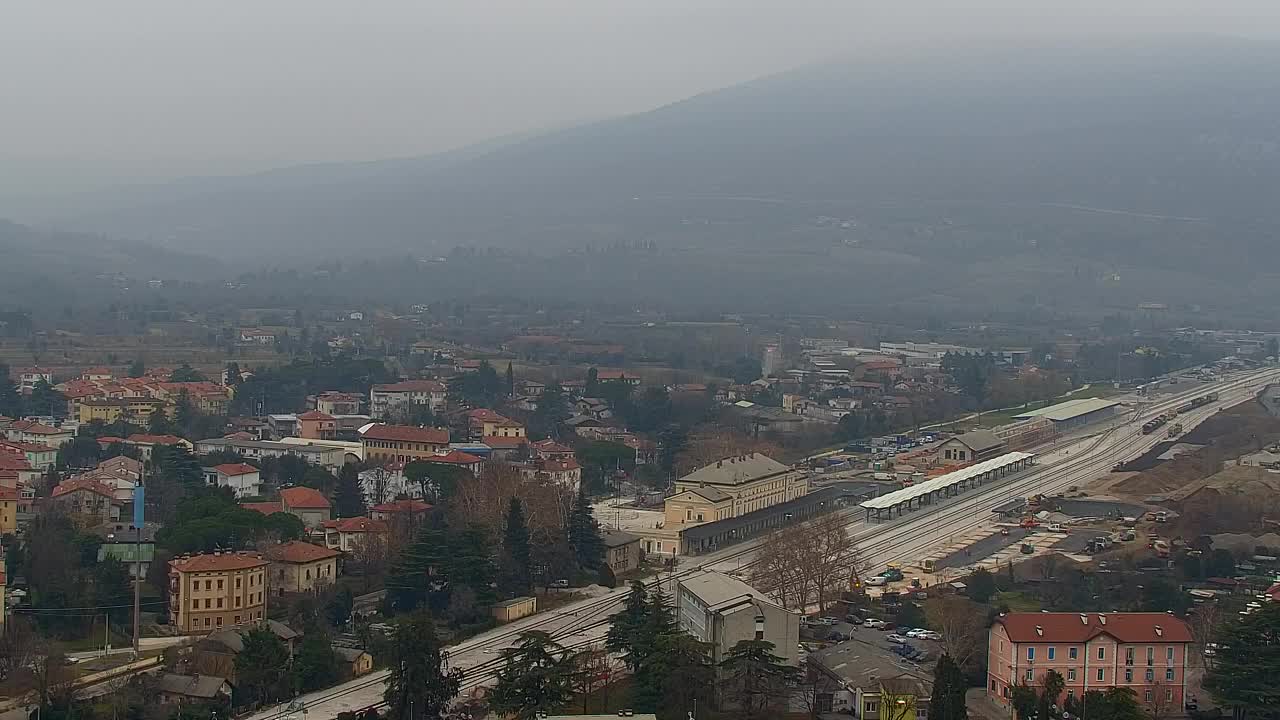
1075,461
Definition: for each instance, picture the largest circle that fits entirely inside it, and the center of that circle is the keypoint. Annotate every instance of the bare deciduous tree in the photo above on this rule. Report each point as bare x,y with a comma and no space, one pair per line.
1161,704
960,623
808,563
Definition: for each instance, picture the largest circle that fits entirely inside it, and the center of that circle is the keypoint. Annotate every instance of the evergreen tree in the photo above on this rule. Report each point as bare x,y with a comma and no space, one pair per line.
233,373
553,409
186,373
316,665
113,589
1245,674
515,551
593,382
536,676
756,680
626,630
261,668
511,380
409,584
44,400
185,414
676,678
471,564
348,497
10,398
949,687
584,534
420,684
137,369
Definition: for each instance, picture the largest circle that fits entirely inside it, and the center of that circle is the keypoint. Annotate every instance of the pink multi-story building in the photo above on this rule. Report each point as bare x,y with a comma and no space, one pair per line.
1145,652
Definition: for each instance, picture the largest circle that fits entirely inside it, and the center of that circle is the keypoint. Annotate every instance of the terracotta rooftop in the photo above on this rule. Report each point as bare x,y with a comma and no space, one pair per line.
84,483
266,508
454,457
217,562
36,428
356,525
25,447
235,469
407,433
296,551
406,505
1082,627
144,439
315,415
304,498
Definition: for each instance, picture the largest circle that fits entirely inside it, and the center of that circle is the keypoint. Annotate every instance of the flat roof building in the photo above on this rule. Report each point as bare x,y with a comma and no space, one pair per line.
1074,413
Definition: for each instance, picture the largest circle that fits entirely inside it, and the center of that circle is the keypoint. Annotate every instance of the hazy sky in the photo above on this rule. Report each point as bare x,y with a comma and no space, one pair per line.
125,90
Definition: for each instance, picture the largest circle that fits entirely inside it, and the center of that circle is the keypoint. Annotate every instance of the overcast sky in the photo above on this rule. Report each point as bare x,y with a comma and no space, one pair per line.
129,90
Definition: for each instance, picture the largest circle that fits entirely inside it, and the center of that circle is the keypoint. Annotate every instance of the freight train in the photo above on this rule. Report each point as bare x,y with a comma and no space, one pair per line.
1153,424
1197,403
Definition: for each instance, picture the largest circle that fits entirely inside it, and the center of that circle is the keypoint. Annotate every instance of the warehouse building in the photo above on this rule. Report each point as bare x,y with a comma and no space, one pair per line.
1075,413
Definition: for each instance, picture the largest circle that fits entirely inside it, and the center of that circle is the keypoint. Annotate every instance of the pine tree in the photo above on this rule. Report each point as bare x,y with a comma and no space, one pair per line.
536,676
409,584
316,665
511,380
137,369
10,398
584,534
515,551
755,679
470,563
348,497
676,678
627,626
949,687
44,400
420,684
261,667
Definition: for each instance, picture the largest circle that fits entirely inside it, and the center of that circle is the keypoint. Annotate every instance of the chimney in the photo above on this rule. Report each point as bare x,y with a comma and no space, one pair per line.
1159,631
1040,630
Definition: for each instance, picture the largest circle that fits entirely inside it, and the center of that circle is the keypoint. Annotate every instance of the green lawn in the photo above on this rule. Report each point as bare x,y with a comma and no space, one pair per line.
1016,601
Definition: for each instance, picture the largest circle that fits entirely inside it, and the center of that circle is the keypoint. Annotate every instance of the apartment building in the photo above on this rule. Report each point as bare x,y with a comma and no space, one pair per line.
1145,652
722,610
298,567
211,591
402,443
397,400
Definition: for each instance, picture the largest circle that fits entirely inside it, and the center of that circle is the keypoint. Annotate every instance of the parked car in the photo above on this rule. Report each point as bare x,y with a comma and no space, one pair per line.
931,635
875,624
828,621
1055,527
877,581
853,619
896,639
916,633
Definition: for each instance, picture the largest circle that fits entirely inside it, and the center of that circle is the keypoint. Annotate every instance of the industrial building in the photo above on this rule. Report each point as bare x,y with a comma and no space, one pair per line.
1072,414
721,611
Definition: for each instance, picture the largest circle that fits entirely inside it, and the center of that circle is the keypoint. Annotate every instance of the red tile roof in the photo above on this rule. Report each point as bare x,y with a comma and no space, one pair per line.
296,551
412,386
109,440
407,505
407,433
454,457
315,415
37,428
614,375
1082,627
26,447
235,469
266,508
84,483
356,525
217,562
554,465
486,415
304,498
144,439
10,461
550,446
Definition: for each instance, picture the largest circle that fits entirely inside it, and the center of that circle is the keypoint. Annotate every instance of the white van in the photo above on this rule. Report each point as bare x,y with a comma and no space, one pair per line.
877,581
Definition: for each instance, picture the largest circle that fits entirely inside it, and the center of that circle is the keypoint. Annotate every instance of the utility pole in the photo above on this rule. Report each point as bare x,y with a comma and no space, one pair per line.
139,515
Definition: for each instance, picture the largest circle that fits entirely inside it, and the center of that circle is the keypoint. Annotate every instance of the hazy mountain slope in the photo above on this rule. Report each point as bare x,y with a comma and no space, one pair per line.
1086,161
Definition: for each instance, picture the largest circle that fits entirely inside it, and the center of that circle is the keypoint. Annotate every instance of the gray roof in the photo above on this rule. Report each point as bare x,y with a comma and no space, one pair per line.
348,654
233,638
268,445
1070,409
617,538
708,493
859,663
720,592
736,470
197,686
579,420
979,440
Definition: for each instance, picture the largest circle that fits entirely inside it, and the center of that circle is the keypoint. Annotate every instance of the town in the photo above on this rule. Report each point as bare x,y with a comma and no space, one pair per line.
814,525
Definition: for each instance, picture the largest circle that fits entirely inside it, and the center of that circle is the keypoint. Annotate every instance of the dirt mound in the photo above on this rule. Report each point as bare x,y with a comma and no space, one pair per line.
1237,430
1234,500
